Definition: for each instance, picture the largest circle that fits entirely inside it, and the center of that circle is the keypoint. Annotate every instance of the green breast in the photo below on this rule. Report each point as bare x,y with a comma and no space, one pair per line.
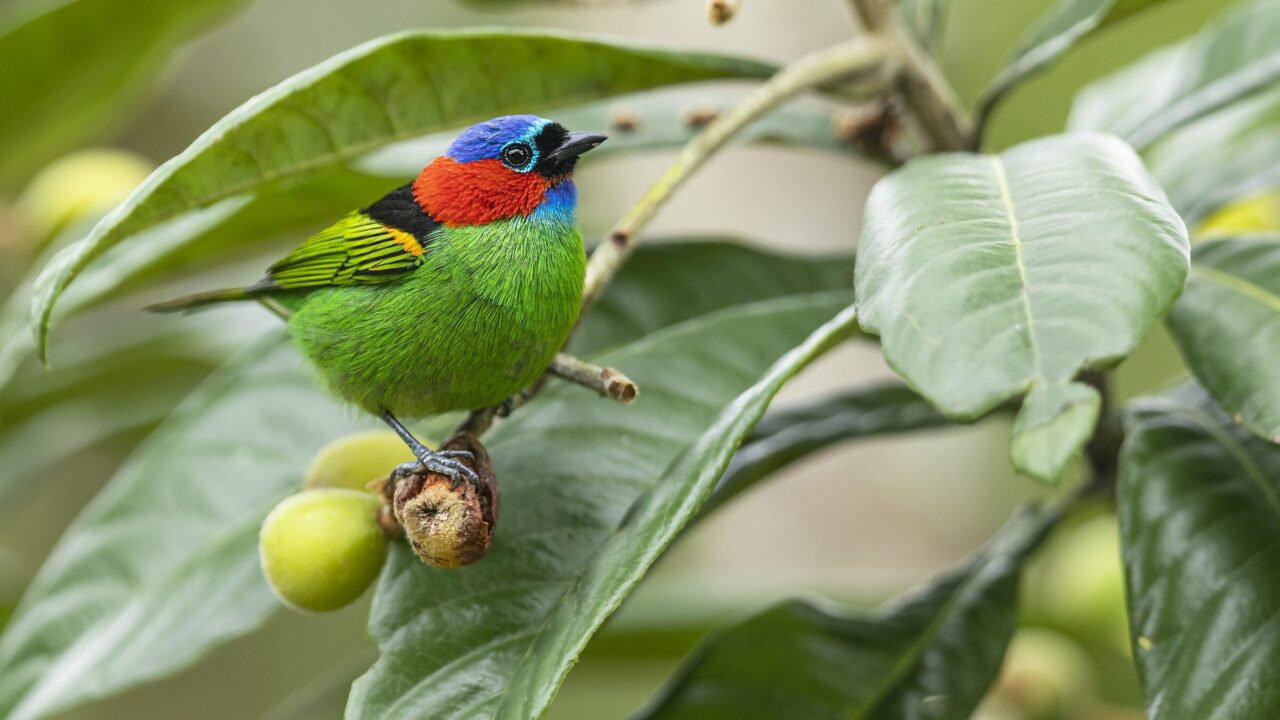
477,322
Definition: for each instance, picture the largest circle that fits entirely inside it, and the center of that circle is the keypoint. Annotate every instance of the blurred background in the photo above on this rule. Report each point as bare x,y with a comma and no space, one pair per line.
856,524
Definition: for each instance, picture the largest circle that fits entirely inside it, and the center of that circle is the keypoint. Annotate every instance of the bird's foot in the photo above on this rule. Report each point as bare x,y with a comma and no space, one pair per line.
443,462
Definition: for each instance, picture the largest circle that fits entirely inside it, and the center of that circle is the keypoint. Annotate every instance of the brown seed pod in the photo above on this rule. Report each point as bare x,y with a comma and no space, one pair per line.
449,523
720,12
699,117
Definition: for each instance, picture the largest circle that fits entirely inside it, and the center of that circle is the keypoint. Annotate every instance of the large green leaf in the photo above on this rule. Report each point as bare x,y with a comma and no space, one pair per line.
1235,55
930,654
1056,31
698,278
46,417
1221,158
587,508
163,564
394,88
70,69
1199,503
182,516
992,276
1227,324
786,436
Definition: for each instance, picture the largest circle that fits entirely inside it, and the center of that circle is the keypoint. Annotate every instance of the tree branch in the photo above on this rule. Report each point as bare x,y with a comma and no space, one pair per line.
607,382
855,57
926,92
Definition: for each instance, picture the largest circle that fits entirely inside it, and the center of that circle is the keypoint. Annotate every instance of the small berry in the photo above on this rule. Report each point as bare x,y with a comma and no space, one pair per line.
83,184
352,461
321,549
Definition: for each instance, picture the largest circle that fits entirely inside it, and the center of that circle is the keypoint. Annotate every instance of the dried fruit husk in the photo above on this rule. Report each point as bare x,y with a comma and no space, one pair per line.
448,523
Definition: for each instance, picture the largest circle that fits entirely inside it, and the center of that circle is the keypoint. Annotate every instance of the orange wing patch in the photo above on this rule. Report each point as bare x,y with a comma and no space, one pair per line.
407,241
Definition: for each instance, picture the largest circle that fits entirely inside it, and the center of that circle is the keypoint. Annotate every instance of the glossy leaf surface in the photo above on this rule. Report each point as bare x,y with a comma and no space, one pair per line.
992,276
1235,55
1199,505
1227,325
789,435
932,653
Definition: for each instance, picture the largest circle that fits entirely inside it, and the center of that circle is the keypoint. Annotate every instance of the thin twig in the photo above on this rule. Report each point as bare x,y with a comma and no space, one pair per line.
607,382
858,56
932,102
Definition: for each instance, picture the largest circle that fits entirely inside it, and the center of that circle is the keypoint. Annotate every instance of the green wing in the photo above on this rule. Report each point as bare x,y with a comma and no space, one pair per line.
353,251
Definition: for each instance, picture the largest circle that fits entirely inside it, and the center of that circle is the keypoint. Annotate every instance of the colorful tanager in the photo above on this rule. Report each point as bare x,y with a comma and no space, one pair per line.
453,292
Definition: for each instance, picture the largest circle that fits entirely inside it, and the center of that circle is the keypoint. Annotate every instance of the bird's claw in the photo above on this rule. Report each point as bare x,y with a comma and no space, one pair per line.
443,462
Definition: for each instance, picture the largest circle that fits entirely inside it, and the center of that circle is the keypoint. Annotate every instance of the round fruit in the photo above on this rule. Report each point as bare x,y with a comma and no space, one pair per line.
1045,676
1254,214
1084,585
321,549
84,183
352,461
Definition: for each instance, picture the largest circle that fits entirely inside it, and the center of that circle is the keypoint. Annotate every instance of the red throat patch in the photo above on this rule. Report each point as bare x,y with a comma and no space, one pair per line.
478,192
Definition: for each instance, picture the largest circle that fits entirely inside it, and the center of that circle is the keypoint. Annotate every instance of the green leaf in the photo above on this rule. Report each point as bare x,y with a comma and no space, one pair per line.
173,535
393,88
1199,506
1063,25
72,69
172,539
988,277
930,654
587,508
786,436
1235,55
1227,325
1221,158
669,282
120,384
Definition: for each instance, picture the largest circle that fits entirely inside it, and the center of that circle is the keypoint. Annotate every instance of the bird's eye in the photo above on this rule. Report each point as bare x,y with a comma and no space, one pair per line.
516,155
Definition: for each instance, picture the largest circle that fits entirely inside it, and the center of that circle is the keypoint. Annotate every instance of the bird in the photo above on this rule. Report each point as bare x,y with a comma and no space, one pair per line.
451,292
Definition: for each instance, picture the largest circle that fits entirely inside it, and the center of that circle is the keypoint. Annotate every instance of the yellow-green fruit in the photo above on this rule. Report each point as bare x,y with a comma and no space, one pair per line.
321,549
1254,214
84,183
1045,676
353,460
1083,585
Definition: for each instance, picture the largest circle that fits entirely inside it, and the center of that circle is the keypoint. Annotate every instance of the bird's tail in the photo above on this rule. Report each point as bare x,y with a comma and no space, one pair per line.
199,300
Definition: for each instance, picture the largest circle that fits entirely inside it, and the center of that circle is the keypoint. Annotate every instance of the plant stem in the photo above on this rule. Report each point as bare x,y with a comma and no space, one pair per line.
857,56
607,382
925,90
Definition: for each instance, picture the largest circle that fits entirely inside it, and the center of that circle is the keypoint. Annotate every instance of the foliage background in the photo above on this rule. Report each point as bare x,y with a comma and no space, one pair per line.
857,523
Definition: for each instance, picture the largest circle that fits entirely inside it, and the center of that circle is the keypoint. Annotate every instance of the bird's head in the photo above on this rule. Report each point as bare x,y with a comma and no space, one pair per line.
515,165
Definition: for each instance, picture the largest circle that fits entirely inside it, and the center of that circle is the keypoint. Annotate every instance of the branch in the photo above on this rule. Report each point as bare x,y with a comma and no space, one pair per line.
923,87
607,382
858,56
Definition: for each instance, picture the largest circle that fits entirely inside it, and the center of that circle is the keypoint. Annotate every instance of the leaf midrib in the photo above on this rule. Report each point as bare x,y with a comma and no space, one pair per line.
1240,286
1015,234
1237,451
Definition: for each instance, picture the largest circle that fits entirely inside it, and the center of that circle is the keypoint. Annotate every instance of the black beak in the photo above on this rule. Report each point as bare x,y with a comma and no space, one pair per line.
576,144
